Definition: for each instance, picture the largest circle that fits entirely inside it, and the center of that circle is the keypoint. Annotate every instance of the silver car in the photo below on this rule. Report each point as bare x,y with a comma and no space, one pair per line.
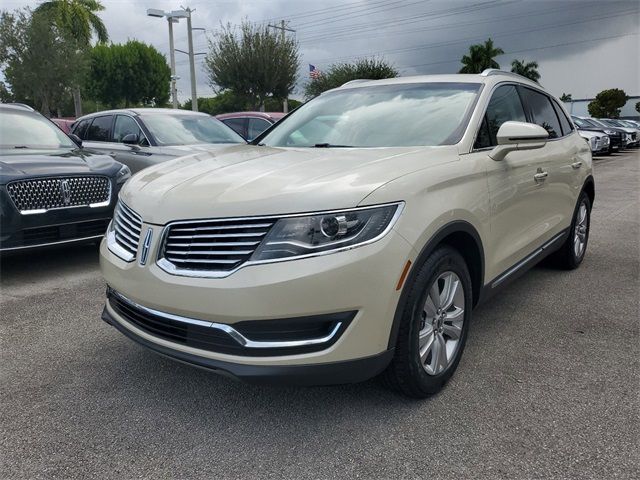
141,137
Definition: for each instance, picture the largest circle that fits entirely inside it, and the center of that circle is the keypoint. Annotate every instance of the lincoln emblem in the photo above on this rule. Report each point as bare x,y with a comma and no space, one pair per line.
66,192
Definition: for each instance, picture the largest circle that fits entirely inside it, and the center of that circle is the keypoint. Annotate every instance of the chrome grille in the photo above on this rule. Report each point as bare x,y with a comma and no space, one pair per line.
215,245
42,194
127,226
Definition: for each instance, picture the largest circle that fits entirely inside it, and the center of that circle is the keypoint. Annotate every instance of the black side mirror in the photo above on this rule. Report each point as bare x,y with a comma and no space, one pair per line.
130,139
76,139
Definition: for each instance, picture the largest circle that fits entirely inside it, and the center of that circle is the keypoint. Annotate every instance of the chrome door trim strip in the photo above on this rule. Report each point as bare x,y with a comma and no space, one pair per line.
526,260
229,330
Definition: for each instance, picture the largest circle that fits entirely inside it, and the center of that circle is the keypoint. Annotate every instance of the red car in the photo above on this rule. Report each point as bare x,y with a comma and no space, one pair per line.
64,123
250,124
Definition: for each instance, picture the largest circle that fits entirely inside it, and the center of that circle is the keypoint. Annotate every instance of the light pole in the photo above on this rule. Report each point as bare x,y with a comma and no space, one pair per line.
172,17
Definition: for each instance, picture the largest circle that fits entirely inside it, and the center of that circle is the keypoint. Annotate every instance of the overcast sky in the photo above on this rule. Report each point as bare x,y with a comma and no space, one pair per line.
582,47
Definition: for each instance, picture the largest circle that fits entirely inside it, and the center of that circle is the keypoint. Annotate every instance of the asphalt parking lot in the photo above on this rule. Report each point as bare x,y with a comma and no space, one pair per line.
549,385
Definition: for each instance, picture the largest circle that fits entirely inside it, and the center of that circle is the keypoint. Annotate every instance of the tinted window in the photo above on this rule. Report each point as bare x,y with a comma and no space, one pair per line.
256,127
187,129
564,121
542,112
124,126
20,129
237,124
504,106
99,129
416,114
81,128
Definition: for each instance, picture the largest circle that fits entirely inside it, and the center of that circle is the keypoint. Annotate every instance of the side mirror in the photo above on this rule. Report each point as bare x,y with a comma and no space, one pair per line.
514,136
76,139
130,139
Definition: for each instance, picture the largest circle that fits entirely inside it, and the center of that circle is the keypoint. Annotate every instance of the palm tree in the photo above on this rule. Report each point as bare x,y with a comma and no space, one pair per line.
79,19
529,70
481,57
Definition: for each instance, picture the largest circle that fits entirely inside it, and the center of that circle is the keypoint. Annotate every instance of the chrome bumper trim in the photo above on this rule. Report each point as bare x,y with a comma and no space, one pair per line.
232,332
61,242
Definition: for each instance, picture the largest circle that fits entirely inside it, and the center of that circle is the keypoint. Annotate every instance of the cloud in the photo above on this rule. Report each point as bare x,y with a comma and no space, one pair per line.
582,46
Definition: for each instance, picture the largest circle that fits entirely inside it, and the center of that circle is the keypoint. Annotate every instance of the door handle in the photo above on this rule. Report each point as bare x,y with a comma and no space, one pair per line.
540,177
576,165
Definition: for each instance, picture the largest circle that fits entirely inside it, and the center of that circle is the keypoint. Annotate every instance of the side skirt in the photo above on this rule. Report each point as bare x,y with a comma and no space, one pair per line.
520,268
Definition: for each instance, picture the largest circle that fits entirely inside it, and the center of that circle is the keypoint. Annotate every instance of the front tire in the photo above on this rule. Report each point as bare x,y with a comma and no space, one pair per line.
434,325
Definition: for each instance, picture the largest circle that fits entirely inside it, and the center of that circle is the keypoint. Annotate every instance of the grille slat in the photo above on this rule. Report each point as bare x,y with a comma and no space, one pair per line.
59,192
127,226
215,245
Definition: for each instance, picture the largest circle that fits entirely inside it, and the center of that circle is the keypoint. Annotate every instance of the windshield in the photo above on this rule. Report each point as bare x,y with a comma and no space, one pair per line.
582,122
597,123
182,129
22,129
423,114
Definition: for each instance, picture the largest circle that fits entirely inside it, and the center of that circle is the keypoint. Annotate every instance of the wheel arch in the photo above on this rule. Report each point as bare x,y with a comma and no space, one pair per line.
589,187
460,235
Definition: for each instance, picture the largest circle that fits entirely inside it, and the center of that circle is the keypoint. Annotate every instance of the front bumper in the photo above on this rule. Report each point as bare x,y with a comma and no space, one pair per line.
362,280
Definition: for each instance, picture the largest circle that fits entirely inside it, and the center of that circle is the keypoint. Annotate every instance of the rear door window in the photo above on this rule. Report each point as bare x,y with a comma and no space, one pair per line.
100,129
542,111
567,128
239,125
504,106
256,127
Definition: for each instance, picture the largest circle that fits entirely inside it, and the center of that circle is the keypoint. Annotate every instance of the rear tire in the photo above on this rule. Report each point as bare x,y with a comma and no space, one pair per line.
573,250
434,326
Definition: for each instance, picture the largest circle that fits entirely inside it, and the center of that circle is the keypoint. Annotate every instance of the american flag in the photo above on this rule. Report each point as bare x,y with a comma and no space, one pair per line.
314,73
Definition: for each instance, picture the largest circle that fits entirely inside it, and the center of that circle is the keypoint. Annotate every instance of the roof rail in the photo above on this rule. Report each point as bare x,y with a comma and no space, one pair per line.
358,80
495,71
20,105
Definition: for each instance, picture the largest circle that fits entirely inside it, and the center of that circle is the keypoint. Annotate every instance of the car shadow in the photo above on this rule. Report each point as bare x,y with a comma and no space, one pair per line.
38,265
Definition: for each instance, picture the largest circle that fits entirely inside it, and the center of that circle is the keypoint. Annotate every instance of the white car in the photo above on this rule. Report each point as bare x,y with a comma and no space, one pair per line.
354,237
599,144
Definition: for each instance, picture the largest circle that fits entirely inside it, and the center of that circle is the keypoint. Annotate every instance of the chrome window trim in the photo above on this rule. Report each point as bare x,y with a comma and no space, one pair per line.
493,89
45,210
171,269
229,330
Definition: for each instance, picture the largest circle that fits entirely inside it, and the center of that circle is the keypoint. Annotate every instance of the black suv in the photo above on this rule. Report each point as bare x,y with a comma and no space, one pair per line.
52,191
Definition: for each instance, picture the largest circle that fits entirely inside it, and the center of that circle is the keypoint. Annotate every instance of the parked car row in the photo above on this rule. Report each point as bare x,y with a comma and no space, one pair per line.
620,133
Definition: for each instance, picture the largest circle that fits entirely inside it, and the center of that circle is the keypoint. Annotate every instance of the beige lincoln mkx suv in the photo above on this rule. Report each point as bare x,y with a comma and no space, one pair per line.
354,237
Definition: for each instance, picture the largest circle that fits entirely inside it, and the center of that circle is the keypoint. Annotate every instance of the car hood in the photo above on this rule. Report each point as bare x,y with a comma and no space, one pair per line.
251,180
16,164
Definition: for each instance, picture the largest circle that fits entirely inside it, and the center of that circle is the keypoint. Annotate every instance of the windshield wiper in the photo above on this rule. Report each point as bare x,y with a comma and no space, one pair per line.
329,145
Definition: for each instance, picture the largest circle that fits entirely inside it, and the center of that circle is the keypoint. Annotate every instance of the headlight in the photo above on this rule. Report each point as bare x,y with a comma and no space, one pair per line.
123,174
609,132
323,232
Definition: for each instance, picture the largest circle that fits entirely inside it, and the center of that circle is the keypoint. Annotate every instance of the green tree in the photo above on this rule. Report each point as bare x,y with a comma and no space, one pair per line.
228,101
341,73
129,74
566,97
79,19
41,62
481,57
608,103
526,69
253,62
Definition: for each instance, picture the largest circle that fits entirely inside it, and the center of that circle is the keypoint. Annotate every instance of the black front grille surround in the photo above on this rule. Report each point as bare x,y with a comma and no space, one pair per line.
53,234
212,245
42,194
228,339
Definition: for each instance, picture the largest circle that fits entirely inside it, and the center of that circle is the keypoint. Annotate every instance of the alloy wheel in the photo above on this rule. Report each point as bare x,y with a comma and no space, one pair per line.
441,323
580,231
